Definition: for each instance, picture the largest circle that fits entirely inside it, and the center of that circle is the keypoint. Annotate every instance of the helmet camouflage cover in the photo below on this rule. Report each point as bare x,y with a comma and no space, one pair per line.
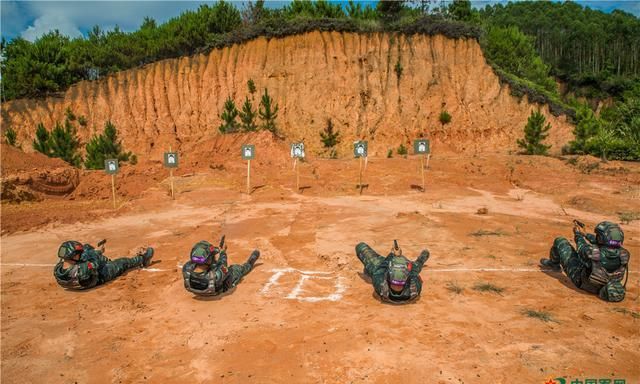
399,269
609,234
68,249
203,252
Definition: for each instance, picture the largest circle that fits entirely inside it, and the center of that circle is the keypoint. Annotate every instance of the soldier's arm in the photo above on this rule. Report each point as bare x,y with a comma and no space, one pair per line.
380,284
86,270
582,245
97,258
222,260
419,263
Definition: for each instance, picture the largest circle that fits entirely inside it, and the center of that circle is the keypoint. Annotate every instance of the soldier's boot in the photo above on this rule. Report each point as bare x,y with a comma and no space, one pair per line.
146,257
552,262
253,258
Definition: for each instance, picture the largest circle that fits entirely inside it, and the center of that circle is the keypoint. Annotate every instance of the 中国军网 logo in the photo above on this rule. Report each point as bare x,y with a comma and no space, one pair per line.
560,380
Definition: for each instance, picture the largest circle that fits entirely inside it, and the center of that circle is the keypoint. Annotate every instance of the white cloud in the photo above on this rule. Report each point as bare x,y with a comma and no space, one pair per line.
50,22
74,17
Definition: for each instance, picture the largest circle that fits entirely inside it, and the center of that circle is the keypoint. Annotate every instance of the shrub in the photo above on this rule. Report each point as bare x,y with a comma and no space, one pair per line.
10,136
445,117
587,126
228,116
41,142
64,143
106,146
534,134
268,113
402,150
251,86
330,137
248,116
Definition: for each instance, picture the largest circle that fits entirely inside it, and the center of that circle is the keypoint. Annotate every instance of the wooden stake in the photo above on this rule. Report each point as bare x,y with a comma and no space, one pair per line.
113,189
360,176
248,176
428,157
171,179
295,165
422,170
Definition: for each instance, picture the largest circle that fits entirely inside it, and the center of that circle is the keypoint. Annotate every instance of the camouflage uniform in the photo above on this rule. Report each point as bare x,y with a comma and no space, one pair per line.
94,268
579,265
377,267
218,278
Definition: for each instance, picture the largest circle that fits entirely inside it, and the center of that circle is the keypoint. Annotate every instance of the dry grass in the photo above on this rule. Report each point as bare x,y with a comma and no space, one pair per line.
625,311
482,232
454,287
628,217
540,315
488,287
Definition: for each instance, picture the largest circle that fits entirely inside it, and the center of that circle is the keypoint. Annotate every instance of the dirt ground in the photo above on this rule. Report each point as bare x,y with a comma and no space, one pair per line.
306,314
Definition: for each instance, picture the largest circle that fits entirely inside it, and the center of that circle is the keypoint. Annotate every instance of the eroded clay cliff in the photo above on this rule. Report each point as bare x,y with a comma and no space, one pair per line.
350,78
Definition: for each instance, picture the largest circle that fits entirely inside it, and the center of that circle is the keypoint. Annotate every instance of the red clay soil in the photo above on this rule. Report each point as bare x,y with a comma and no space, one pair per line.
15,160
278,326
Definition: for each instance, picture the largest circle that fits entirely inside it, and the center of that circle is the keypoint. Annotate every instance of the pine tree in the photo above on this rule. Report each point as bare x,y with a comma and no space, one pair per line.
445,117
228,116
588,126
534,134
251,86
268,113
10,136
105,146
329,137
41,142
248,116
64,143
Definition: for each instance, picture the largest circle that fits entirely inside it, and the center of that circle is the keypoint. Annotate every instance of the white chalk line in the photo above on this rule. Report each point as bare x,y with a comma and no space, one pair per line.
296,292
279,271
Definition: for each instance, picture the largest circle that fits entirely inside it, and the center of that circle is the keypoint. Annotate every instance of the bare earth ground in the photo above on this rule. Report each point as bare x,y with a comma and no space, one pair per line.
305,314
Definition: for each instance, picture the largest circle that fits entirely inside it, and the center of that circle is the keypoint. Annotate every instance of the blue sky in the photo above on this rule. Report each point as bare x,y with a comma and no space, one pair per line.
30,19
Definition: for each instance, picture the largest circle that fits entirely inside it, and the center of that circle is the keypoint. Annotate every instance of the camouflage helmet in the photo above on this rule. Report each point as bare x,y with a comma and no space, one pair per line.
203,252
609,234
399,269
69,249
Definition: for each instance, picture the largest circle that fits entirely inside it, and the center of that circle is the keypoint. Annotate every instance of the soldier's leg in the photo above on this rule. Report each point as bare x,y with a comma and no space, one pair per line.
368,257
563,252
238,271
114,268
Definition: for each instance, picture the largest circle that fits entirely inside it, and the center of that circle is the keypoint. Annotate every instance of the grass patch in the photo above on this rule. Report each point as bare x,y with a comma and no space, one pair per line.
482,232
627,217
488,287
540,315
454,287
625,311
493,257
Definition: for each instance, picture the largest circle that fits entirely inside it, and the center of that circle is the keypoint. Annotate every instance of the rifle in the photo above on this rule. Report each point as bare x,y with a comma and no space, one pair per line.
221,246
396,248
101,244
